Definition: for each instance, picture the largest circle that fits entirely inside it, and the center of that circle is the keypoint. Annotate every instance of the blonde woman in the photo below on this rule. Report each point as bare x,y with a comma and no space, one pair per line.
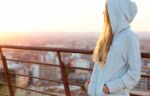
117,56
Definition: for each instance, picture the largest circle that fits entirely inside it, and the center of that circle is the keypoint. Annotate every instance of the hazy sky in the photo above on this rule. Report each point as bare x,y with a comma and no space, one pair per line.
61,15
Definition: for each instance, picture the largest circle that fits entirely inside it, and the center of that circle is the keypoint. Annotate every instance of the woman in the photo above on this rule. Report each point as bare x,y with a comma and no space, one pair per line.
117,56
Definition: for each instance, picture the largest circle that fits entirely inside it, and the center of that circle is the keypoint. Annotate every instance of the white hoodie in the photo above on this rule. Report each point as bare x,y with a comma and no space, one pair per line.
123,65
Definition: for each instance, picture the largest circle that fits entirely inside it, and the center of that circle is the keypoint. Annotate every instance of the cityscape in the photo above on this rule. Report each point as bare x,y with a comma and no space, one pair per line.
46,45
74,40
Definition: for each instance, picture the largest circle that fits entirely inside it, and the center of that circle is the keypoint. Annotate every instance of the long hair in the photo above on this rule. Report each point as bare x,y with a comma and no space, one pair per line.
104,41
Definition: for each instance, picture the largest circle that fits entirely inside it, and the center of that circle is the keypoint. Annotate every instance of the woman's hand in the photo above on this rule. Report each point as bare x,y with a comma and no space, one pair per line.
105,89
86,84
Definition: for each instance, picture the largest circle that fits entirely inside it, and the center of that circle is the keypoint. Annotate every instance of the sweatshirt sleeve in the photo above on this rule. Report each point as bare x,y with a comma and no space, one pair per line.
131,55
92,84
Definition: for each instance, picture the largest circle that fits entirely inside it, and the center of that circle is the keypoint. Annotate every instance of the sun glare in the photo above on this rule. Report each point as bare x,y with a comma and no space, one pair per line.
59,15
50,15
4,36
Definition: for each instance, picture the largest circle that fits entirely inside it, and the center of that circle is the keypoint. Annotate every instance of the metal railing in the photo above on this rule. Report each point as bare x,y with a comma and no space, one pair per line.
61,65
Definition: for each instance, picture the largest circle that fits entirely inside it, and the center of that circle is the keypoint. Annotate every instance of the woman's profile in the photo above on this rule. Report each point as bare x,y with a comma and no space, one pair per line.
117,57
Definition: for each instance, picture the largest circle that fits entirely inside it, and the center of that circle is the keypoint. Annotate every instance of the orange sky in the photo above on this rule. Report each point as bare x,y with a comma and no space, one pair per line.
61,16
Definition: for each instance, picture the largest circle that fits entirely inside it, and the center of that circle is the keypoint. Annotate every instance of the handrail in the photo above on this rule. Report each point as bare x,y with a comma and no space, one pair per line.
66,50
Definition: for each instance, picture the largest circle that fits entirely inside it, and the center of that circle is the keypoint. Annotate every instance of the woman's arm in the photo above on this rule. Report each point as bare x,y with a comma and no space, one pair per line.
133,74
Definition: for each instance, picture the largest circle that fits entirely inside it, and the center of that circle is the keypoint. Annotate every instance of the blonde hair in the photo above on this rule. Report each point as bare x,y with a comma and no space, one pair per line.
104,41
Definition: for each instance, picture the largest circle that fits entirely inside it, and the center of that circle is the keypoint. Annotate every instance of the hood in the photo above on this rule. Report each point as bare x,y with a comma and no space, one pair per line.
121,14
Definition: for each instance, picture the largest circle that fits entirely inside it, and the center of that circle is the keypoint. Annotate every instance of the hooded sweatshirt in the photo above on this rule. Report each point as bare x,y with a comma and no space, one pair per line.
122,70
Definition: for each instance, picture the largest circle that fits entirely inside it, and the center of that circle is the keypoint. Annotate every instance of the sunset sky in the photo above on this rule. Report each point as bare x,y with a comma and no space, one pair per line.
61,16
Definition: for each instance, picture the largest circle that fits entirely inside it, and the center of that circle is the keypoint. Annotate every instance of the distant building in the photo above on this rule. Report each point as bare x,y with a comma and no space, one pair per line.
35,72
80,75
82,63
76,56
49,72
144,83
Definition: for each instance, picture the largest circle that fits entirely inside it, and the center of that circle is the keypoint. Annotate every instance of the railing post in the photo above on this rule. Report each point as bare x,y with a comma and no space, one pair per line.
7,75
64,75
